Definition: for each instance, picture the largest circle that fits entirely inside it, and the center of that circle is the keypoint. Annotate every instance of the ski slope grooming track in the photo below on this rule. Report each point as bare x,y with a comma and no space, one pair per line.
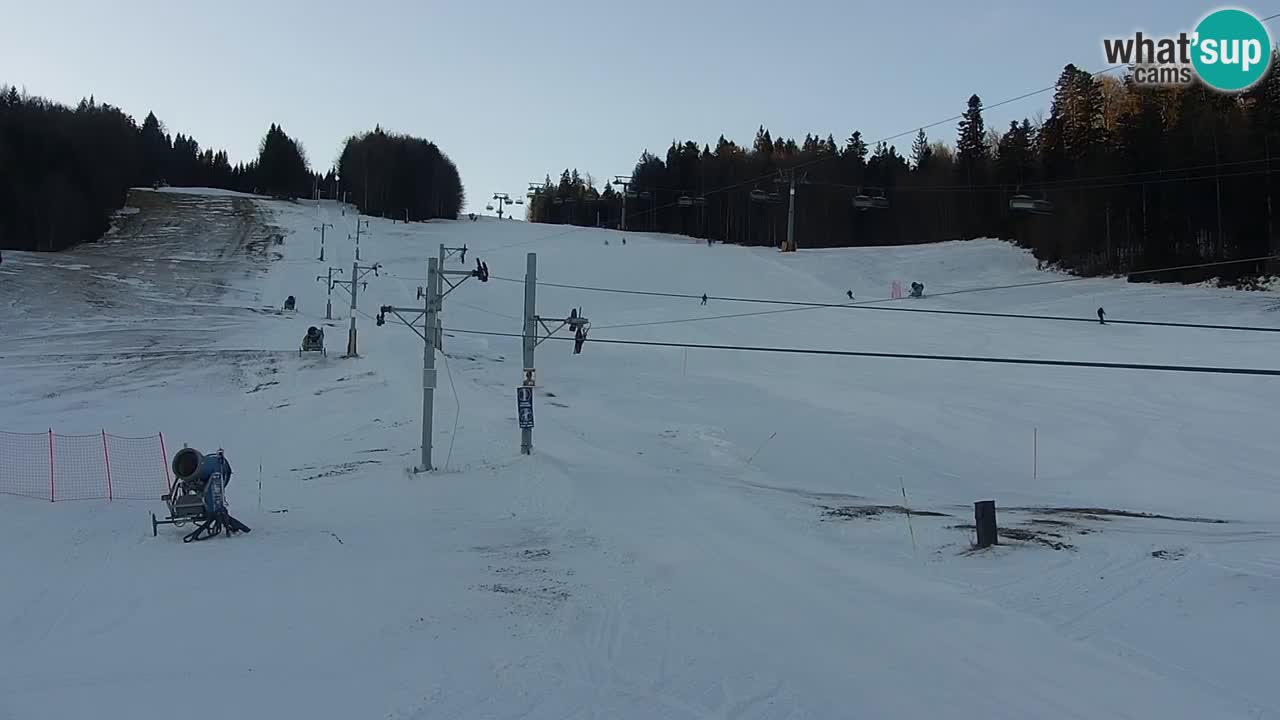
698,533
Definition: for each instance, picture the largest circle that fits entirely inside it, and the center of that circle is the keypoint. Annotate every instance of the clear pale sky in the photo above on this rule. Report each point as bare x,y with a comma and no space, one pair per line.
513,91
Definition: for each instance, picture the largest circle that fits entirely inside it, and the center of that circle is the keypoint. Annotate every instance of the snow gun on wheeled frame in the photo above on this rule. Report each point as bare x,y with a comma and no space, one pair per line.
199,496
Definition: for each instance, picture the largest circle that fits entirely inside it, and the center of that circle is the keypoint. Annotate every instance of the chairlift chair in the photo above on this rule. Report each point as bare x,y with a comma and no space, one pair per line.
488,207
1028,204
759,196
700,200
685,201
863,201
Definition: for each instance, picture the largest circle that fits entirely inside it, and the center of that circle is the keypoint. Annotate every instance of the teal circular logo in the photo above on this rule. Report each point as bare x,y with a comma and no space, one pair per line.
1232,50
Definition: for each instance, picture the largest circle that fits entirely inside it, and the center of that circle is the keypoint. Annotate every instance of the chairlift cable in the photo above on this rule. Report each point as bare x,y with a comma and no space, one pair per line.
913,356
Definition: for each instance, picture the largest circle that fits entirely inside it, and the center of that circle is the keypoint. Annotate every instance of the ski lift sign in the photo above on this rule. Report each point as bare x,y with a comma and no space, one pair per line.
524,407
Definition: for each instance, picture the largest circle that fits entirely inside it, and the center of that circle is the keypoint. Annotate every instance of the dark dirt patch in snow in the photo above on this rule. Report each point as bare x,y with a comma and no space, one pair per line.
1176,554
546,592
1106,514
334,470
866,511
1045,522
527,572
1023,535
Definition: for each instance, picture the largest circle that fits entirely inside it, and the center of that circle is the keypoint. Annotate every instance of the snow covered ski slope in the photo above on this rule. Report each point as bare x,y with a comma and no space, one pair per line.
698,534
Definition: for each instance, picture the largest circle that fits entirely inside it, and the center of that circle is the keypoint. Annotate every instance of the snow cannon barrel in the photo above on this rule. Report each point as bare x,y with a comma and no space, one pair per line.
193,467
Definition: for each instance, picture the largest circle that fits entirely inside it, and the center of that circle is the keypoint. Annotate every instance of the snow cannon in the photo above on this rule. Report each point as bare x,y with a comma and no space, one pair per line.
199,496
192,467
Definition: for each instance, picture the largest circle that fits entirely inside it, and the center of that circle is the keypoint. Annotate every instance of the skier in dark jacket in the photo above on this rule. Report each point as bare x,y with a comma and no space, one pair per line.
1101,313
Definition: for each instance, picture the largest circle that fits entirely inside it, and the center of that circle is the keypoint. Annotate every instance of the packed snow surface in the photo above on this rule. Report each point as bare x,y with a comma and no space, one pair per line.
697,534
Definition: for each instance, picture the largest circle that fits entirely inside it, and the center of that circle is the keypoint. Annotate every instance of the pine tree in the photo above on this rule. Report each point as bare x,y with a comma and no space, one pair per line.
921,153
855,148
156,150
282,165
764,143
971,145
1013,155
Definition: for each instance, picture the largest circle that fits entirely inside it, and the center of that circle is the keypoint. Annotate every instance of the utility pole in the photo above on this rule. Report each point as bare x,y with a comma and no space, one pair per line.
439,287
360,224
428,295
1271,236
1108,233
530,343
352,286
321,229
329,283
429,313
530,340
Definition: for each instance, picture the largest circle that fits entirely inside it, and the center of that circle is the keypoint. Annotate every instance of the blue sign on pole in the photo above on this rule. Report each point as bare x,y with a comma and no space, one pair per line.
524,406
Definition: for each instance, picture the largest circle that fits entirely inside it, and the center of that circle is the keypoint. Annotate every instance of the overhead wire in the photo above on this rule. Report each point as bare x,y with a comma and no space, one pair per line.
914,356
953,118
825,158
796,305
1083,182
809,163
